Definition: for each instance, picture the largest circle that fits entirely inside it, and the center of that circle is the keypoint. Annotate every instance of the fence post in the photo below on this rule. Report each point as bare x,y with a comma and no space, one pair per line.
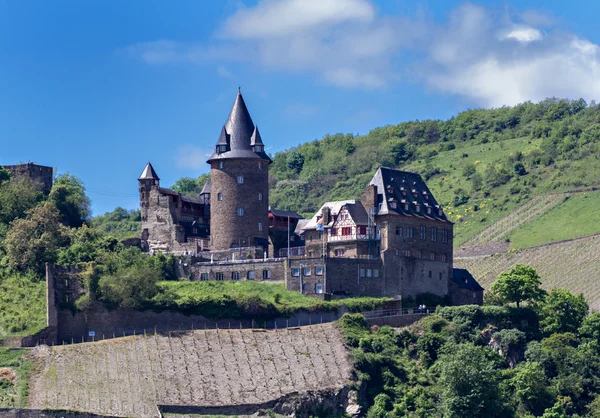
287,323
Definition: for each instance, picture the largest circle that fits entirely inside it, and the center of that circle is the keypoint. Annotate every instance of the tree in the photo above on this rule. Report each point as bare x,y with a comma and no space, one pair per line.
189,185
520,284
531,392
68,196
590,329
4,174
130,287
469,382
35,240
16,198
562,312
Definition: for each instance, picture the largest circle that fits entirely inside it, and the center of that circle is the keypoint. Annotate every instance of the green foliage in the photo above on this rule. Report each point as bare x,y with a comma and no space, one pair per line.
470,383
22,304
4,174
245,299
36,239
189,186
531,389
120,223
16,198
521,284
561,312
590,329
130,287
68,196
14,393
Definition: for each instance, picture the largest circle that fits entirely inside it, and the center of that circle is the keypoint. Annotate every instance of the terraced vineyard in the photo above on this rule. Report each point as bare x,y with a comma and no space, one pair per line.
529,211
130,376
574,265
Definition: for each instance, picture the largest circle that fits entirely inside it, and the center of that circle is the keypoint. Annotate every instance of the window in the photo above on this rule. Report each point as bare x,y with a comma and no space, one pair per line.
444,258
266,274
310,253
235,275
260,196
260,164
375,273
260,227
393,204
319,270
398,231
347,231
440,212
423,232
369,273
362,230
406,206
204,276
362,272
333,231
339,253
410,232
307,271
428,210
445,236
419,254
418,208
306,287
319,288
433,234
220,196
220,164
251,275
440,275
240,179
240,212
295,272
432,256
406,253
220,276
258,148
430,274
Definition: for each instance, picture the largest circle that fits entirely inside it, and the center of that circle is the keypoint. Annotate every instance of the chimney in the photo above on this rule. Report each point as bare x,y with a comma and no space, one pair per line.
369,197
325,214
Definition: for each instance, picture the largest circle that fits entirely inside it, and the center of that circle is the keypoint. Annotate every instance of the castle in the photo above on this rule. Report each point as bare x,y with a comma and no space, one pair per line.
395,241
38,174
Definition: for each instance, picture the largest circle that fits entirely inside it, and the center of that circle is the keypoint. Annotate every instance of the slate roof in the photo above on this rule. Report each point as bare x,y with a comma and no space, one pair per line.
465,280
285,213
206,188
149,173
239,134
405,187
358,213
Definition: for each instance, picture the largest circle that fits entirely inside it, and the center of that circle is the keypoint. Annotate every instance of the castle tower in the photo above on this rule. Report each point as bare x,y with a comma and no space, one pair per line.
147,181
239,184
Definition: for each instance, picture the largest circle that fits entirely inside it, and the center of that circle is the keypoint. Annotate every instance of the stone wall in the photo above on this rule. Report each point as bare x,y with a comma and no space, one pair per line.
276,270
227,228
36,173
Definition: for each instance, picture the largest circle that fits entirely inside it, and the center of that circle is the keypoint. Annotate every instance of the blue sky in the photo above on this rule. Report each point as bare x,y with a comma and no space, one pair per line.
98,88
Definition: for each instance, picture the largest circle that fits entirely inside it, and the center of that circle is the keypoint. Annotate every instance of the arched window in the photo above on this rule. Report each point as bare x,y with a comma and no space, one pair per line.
240,212
259,196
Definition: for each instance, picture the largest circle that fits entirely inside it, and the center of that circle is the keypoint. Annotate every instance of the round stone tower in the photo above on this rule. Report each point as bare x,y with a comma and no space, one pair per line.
239,179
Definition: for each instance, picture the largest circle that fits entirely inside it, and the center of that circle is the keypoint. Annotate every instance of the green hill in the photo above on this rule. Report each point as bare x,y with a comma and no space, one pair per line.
482,164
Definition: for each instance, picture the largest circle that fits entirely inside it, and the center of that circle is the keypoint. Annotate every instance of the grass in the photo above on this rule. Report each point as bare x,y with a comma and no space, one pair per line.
248,299
22,305
576,216
479,212
14,394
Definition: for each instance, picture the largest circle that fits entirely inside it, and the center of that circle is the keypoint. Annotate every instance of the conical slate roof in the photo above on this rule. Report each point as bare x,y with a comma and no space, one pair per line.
149,173
255,139
206,188
239,135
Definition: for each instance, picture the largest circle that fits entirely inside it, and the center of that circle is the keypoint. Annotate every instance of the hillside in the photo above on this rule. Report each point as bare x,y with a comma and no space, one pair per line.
481,164
130,376
572,265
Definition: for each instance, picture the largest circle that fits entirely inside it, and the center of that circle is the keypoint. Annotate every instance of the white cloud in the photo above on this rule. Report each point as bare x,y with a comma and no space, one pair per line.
494,70
522,34
274,18
224,72
492,58
299,111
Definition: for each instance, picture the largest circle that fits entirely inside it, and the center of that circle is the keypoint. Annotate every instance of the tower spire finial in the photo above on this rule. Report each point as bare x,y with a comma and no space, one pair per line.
239,89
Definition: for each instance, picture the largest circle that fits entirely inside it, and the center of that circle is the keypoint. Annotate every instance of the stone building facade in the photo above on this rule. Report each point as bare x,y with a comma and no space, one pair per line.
394,241
39,174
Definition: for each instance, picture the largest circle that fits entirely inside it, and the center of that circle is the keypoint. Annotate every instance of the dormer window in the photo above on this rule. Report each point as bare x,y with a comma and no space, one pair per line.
429,211
418,208
440,212
258,148
221,148
220,164
406,206
393,204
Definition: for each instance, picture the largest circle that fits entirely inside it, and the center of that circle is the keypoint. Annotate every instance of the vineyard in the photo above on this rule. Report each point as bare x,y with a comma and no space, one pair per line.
573,265
529,211
130,376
